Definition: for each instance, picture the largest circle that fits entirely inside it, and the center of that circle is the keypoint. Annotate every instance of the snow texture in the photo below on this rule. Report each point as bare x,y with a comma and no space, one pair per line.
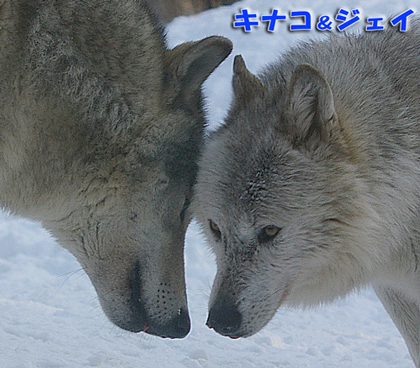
50,315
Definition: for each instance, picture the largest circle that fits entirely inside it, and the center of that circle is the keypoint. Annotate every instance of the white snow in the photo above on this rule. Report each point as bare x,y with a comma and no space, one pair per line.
49,313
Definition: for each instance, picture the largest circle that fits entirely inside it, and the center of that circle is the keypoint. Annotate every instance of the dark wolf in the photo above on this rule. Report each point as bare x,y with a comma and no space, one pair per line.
100,129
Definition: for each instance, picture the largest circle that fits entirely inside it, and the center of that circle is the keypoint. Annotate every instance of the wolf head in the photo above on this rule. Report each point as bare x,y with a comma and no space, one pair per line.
119,191
280,201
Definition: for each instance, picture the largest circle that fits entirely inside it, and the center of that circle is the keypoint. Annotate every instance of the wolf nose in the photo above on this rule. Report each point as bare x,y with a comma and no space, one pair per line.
181,325
225,319
177,328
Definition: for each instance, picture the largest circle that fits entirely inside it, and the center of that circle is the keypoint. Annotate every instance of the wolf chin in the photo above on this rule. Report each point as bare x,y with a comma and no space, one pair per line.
311,188
101,126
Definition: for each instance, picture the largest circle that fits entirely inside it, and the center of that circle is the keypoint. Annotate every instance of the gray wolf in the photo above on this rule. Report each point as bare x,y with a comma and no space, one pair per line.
311,187
101,126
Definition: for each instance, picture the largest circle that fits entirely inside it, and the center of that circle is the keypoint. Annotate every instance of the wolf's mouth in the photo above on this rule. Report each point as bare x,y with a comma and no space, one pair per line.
146,327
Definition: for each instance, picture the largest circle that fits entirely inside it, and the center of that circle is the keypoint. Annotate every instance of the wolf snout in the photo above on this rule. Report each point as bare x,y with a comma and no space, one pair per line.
225,319
167,321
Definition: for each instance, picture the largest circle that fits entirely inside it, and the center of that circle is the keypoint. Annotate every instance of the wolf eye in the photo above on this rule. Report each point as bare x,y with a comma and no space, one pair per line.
215,230
268,233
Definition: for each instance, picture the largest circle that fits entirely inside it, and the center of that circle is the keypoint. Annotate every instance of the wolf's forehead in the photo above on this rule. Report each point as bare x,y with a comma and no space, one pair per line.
254,176
247,180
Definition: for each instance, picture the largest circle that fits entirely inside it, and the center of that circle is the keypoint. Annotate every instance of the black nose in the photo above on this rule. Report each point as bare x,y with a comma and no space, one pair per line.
182,324
177,328
225,319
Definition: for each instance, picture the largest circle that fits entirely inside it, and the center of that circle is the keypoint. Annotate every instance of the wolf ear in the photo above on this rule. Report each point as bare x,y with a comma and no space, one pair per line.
310,108
190,64
245,84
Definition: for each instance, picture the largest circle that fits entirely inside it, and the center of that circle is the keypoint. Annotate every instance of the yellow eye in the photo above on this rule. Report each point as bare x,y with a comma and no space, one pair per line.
215,230
268,233
271,231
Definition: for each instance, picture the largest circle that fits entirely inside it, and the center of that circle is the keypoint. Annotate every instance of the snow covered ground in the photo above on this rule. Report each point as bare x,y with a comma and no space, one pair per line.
49,313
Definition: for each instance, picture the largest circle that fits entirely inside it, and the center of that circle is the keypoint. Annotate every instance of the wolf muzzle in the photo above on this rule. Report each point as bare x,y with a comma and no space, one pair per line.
225,319
177,327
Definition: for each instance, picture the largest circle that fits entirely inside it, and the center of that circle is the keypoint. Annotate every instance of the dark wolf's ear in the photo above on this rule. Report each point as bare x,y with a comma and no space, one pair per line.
310,110
189,64
245,84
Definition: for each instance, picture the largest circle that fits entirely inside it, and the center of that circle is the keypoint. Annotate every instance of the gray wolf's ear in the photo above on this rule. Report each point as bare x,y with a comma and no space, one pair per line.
311,116
245,84
192,62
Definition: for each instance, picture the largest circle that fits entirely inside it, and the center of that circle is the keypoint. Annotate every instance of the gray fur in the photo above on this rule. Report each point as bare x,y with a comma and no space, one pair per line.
311,188
101,126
